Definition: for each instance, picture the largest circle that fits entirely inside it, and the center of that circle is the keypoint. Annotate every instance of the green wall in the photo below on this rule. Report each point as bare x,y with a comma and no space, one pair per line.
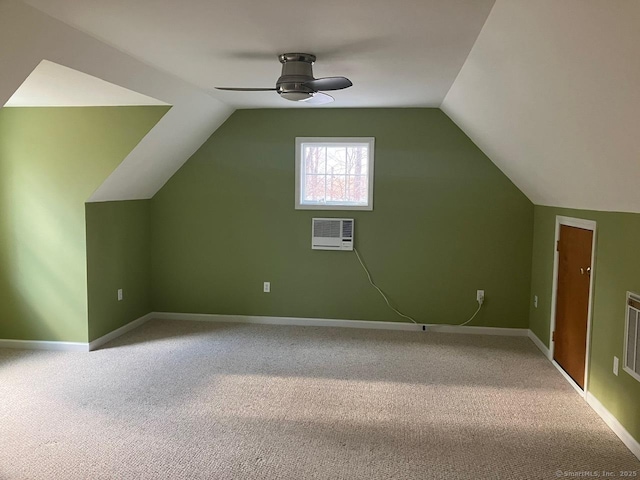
446,223
118,256
51,161
616,272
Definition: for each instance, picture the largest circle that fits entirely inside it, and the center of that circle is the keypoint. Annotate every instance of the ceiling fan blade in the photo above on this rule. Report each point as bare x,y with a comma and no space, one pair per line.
319,98
329,83
251,55
233,89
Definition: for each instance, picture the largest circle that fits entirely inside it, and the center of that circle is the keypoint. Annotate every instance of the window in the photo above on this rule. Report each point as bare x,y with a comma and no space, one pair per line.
334,173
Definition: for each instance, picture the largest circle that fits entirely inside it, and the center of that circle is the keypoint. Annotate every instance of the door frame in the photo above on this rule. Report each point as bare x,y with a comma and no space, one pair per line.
586,225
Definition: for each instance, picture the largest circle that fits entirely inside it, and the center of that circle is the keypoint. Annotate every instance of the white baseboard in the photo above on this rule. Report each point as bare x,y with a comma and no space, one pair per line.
331,322
613,423
538,343
307,322
74,346
45,345
98,342
470,330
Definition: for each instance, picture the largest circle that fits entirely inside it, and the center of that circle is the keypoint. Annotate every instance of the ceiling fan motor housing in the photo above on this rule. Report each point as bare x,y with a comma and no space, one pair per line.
296,83
296,70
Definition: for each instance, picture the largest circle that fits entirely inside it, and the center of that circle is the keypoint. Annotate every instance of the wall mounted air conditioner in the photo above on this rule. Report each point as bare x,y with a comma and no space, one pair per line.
332,234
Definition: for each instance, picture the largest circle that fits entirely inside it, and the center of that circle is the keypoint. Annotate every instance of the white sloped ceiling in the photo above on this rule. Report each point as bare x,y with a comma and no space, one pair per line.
551,93
53,85
27,36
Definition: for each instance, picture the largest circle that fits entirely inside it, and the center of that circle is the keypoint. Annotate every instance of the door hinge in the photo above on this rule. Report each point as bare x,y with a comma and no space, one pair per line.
558,246
553,336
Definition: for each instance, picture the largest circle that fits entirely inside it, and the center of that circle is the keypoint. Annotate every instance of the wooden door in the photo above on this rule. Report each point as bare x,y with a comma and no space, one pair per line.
572,300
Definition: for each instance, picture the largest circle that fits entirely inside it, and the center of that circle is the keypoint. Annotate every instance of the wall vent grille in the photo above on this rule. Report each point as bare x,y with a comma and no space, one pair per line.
632,336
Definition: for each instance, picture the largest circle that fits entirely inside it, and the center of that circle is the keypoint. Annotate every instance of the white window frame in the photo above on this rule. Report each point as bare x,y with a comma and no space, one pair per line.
300,141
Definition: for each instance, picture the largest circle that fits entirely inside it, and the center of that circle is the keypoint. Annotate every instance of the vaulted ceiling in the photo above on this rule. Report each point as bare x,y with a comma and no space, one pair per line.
549,90
400,53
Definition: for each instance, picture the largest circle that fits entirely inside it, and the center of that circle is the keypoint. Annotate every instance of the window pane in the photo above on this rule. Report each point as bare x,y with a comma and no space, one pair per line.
335,188
334,172
336,160
314,159
313,188
357,160
357,189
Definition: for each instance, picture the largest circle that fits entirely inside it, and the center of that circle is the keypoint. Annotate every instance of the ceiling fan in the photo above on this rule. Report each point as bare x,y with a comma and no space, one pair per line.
296,83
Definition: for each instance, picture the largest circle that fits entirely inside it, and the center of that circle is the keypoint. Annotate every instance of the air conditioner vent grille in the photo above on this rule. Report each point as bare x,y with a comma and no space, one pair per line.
347,228
326,228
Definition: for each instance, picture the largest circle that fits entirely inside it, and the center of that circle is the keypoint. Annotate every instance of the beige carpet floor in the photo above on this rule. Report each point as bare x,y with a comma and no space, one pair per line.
189,400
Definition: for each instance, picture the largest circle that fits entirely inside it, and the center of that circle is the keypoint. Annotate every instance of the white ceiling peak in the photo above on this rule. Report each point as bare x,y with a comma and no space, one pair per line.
53,85
551,93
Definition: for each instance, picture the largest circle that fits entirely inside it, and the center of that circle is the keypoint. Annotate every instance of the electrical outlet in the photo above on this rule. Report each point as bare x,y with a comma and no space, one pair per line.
120,296
480,296
535,301
266,287
615,365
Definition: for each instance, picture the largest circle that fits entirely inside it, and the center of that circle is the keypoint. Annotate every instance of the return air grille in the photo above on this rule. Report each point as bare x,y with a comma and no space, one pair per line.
632,336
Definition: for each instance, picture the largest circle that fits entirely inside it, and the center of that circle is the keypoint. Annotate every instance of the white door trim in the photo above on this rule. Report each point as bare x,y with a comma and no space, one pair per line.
586,225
